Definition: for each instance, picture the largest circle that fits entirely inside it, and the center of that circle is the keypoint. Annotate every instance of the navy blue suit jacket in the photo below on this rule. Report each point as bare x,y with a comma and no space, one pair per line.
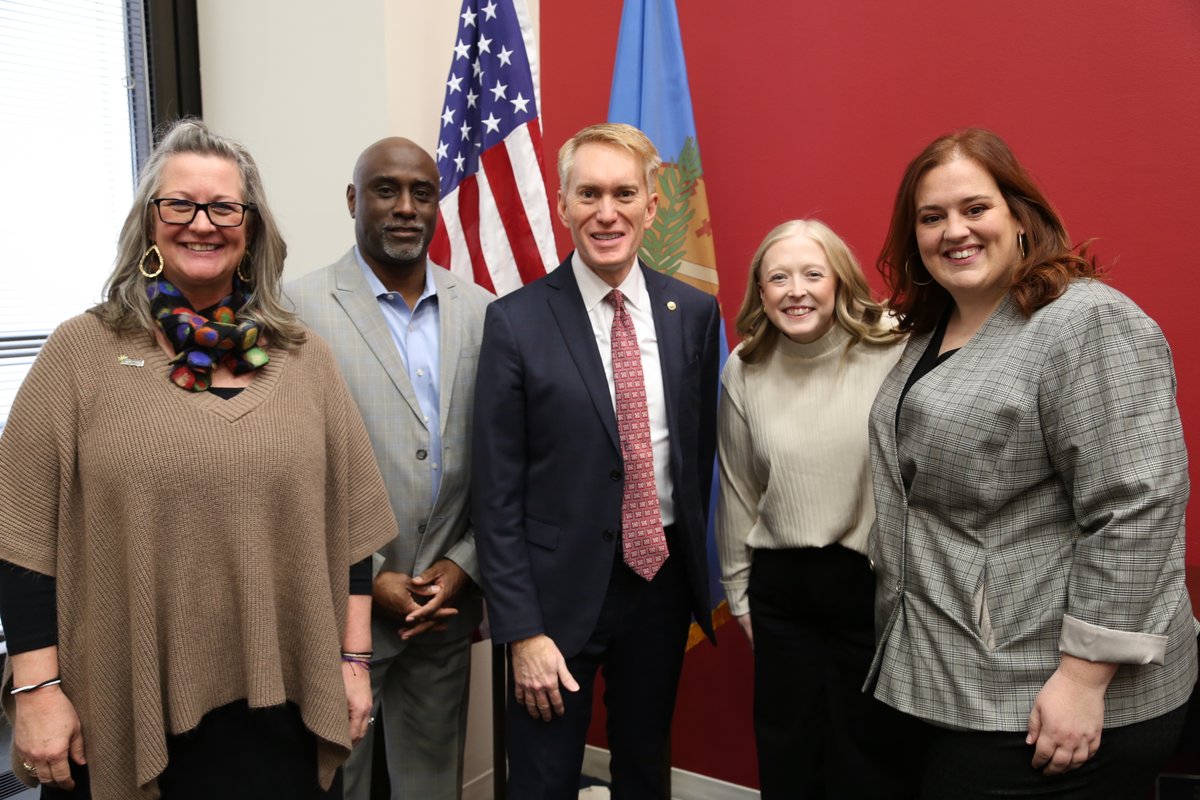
547,472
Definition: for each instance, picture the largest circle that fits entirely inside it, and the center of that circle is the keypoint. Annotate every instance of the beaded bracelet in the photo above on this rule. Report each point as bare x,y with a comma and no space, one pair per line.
33,687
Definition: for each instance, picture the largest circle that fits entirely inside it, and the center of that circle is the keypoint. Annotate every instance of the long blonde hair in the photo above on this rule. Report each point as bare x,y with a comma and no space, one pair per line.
854,308
126,307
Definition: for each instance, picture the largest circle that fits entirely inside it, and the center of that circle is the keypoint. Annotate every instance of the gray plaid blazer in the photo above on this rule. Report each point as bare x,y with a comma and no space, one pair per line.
337,303
1030,498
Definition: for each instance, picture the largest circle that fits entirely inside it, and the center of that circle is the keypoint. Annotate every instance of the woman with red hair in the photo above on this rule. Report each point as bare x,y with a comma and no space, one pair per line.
1030,486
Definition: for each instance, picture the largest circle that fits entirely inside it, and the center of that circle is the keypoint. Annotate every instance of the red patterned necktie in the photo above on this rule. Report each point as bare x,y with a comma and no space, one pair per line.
642,536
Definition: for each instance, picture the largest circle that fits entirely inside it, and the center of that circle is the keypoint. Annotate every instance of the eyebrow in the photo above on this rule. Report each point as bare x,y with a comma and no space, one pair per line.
388,180
619,188
972,199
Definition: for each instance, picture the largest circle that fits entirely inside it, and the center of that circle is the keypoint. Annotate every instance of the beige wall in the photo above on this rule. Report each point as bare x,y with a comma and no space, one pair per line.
306,85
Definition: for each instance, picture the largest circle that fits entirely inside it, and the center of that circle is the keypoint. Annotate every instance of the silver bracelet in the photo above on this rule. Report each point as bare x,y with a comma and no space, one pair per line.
35,686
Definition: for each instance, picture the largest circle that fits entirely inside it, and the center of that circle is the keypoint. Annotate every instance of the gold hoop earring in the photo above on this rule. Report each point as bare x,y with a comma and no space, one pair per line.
910,277
142,264
1021,243
246,258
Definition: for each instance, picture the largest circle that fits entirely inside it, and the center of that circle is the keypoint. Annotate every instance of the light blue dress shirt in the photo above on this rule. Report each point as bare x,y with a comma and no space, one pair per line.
415,332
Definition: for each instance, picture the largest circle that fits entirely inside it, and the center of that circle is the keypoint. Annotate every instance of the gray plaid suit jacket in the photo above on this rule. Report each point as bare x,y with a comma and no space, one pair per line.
1030,497
337,303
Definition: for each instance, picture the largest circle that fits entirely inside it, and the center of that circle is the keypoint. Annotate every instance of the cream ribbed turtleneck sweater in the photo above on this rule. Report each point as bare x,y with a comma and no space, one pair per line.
795,468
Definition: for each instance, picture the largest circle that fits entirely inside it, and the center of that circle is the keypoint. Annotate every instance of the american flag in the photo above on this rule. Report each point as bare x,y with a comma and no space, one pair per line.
495,212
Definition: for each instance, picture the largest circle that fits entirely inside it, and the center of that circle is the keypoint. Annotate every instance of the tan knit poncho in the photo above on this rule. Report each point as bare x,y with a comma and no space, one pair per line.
201,546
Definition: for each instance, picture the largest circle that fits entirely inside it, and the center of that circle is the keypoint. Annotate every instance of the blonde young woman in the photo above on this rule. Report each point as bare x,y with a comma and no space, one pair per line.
185,483
795,509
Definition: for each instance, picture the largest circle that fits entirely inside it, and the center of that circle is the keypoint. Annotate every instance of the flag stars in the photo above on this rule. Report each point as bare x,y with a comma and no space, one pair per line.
492,123
468,18
442,150
458,162
454,84
447,116
466,131
520,104
478,68
471,98
505,56
485,44
499,91
489,11
462,50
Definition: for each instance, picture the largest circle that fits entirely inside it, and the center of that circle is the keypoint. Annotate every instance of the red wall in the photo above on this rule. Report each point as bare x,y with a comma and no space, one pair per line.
814,109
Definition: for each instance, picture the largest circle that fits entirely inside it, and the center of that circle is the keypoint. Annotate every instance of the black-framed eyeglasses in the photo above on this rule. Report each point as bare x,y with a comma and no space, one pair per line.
223,214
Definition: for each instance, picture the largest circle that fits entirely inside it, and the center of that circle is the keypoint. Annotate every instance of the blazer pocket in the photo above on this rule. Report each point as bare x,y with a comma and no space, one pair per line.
541,534
983,616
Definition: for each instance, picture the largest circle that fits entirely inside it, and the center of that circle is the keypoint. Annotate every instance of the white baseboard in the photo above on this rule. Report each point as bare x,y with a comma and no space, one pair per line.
684,785
479,788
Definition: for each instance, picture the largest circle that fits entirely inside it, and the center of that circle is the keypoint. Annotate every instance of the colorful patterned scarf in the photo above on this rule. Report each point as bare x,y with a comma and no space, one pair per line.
202,341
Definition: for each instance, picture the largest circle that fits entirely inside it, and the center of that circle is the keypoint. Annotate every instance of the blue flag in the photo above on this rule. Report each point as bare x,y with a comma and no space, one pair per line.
650,91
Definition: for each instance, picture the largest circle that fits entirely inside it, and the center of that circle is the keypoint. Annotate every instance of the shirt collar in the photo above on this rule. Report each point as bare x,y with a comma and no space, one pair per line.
380,291
593,288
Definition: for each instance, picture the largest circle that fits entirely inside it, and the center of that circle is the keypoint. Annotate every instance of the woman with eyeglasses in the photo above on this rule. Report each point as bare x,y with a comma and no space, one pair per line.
188,504
1030,488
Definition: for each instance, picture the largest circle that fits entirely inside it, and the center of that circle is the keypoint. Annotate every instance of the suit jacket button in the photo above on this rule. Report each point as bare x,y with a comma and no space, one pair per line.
615,474
422,455
421,528
607,535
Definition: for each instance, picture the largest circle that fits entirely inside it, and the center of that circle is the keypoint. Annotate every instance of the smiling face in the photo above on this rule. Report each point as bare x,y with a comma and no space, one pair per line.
200,258
394,202
607,207
798,288
966,232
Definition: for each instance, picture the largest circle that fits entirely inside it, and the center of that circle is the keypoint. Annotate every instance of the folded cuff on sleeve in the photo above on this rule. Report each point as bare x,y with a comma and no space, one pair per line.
1094,643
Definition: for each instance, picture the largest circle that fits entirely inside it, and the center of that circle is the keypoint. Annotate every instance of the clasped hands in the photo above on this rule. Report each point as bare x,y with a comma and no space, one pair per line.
421,603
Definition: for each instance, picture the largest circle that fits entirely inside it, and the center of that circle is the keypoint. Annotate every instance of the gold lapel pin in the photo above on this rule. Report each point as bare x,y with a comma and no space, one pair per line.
126,361
670,305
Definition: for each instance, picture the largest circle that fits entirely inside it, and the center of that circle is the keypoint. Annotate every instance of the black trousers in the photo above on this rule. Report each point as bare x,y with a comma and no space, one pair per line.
639,643
235,753
818,734
973,765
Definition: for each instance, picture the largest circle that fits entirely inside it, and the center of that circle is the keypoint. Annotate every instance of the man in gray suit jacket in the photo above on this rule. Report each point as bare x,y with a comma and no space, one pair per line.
406,335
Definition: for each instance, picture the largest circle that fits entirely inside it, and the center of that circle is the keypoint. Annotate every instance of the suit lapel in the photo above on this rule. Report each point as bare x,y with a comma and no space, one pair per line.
668,328
902,372
566,304
362,307
449,339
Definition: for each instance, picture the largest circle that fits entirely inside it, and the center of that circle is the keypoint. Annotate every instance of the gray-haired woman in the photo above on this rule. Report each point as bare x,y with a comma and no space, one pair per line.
184,486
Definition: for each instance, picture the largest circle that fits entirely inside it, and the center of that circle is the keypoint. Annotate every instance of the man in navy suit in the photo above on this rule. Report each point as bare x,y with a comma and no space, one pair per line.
577,574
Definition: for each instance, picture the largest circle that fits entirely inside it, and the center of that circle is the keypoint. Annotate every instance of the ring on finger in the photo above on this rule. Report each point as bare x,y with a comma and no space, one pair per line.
30,768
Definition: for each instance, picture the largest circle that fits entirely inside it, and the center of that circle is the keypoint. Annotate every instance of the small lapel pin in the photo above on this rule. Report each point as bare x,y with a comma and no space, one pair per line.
126,361
670,305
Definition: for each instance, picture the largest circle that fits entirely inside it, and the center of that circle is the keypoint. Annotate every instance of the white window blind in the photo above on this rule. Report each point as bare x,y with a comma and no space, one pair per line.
66,167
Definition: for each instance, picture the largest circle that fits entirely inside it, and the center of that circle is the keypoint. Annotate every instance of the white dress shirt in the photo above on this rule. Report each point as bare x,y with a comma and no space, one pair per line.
600,313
